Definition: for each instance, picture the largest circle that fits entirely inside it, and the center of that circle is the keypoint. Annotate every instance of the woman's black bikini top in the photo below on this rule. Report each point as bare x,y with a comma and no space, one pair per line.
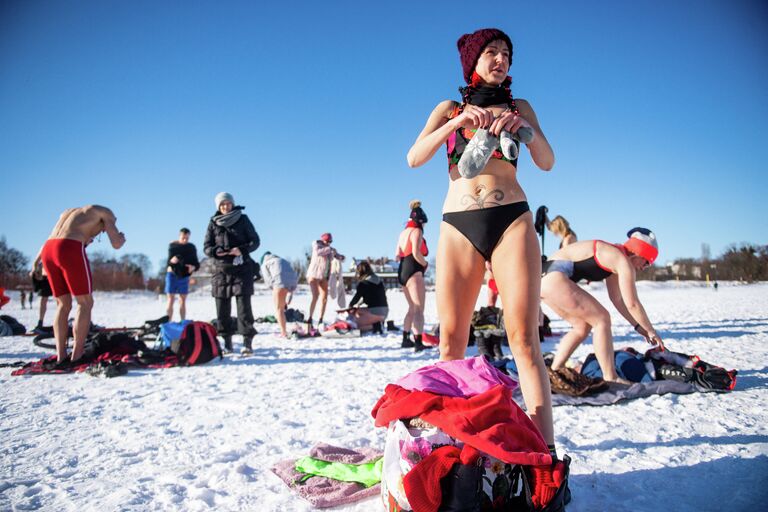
590,269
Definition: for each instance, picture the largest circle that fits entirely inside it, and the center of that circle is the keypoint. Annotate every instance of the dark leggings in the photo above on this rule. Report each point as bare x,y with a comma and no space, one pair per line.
244,316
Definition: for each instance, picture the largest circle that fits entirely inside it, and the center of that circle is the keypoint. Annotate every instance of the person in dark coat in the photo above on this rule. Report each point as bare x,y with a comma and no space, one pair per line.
229,240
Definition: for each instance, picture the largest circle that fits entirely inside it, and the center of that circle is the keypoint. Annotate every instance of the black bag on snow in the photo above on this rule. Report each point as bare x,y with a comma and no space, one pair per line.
116,343
17,328
198,344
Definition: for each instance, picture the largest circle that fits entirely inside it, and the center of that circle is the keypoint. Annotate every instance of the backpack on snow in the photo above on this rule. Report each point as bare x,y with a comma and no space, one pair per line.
198,344
17,329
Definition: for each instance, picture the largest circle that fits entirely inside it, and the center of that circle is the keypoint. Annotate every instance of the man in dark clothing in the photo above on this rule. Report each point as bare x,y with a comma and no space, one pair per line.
229,240
182,262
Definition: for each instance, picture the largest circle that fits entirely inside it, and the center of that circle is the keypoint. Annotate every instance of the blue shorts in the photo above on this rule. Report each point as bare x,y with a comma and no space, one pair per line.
176,284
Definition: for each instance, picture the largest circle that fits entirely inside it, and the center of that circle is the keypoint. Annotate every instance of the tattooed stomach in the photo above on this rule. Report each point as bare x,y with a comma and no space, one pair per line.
487,190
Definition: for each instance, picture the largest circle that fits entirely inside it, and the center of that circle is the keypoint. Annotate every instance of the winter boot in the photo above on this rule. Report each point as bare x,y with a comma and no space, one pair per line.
407,342
485,346
377,328
247,350
227,345
418,346
391,327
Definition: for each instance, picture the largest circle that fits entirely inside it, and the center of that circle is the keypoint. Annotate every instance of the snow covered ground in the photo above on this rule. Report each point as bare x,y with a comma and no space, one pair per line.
204,438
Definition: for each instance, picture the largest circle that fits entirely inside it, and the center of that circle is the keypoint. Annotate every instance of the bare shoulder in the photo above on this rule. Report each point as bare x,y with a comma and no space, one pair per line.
523,105
445,108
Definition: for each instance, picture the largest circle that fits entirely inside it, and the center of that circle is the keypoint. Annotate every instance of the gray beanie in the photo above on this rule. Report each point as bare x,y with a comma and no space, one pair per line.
224,196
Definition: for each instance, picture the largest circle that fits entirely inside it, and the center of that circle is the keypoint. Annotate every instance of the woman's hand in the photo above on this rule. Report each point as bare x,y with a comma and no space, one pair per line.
473,117
174,260
235,251
654,339
510,122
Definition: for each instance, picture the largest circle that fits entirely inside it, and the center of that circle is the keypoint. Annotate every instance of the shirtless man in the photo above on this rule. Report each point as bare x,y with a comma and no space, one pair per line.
69,272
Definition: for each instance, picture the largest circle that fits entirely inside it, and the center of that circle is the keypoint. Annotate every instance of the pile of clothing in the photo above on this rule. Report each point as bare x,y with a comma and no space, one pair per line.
457,441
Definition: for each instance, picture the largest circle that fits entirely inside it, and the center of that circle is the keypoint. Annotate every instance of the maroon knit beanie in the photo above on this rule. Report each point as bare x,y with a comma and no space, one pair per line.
472,45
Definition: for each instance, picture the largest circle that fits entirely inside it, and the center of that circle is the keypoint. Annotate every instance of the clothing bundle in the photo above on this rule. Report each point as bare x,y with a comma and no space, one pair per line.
457,441
331,476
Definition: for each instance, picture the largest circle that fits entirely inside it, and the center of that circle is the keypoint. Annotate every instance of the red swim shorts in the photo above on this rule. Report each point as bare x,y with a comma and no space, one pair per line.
492,286
67,266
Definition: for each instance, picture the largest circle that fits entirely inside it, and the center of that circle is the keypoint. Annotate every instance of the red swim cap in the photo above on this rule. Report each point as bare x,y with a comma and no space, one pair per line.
642,242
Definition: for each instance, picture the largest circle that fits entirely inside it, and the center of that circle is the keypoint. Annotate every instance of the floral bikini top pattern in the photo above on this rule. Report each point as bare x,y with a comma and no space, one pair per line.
459,139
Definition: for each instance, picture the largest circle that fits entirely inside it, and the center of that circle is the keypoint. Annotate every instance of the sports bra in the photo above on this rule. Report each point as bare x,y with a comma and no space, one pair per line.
409,248
458,140
590,269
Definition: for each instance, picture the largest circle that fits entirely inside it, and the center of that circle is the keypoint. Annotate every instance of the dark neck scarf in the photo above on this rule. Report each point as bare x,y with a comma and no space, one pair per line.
226,220
486,96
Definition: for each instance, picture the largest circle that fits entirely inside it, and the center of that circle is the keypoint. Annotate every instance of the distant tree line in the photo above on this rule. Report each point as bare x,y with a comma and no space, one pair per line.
740,262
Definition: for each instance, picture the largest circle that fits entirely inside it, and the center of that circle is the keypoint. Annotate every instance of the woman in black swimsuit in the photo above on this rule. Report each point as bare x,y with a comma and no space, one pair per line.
411,253
485,214
595,260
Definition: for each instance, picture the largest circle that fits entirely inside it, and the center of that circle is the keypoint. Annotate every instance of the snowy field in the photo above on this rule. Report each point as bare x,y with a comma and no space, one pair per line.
204,438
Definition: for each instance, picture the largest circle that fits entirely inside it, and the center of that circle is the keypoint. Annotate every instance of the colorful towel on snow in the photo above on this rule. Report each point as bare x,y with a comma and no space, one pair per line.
324,492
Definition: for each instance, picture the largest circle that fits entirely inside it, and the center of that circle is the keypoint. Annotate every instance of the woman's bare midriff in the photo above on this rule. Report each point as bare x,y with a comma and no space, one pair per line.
496,186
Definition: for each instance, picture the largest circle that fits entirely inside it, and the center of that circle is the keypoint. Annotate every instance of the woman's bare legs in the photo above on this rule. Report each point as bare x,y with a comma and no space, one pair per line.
460,269
365,319
517,268
318,287
584,313
408,320
415,295
323,287
280,295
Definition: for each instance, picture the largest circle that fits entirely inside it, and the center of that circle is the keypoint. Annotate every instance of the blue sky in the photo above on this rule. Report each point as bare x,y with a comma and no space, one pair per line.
656,110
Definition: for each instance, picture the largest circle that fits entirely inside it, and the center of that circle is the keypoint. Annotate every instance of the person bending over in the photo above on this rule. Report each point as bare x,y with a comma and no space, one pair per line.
595,260
69,272
283,279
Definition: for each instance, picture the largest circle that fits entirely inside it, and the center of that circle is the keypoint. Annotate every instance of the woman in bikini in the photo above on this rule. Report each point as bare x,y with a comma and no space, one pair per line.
411,253
486,215
595,260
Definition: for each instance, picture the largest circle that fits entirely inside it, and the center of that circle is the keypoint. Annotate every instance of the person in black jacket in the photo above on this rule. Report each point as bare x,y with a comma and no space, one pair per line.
370,289
182,262
229,240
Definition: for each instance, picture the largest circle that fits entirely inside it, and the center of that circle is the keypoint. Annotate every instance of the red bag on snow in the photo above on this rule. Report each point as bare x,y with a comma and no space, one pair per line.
198,344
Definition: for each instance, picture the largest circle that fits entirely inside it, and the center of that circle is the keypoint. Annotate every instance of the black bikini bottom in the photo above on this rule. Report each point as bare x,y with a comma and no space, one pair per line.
484,227
408,267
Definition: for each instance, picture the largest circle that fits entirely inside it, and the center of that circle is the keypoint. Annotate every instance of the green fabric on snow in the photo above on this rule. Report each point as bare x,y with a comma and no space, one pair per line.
367,474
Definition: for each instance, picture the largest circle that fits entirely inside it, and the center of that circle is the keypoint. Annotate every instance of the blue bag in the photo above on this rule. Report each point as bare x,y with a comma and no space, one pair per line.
170,332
